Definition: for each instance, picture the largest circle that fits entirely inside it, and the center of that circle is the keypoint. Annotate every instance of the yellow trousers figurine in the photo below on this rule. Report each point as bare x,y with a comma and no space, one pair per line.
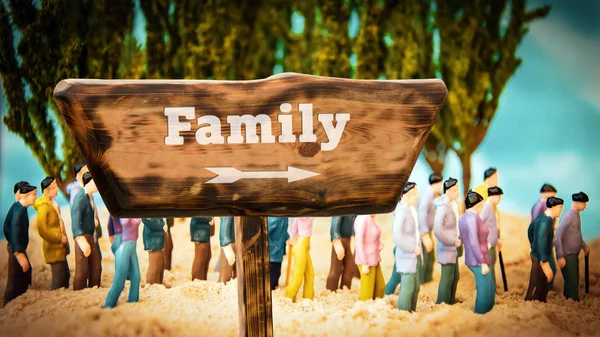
372,285
302,271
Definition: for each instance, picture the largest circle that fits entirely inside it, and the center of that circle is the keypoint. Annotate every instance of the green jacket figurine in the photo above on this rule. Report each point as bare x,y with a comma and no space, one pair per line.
153,234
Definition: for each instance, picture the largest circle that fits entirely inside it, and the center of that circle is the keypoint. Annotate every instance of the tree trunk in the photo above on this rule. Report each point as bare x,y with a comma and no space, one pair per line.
465,161
434,157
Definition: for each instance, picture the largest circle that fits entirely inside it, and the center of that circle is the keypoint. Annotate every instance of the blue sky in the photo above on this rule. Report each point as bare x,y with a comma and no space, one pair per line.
545,130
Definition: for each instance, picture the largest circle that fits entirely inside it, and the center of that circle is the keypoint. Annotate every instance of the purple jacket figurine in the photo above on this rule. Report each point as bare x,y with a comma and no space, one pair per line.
474,236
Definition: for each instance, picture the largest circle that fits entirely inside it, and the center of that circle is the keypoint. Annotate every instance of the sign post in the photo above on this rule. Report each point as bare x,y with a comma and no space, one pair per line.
288,145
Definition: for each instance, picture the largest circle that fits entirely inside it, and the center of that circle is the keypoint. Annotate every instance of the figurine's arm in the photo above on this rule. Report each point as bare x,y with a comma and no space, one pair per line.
423,215
77,230
293,232
111,229
472,239
405,242
50,234
359,237
16,245
559,236
541,241
443,229
336,236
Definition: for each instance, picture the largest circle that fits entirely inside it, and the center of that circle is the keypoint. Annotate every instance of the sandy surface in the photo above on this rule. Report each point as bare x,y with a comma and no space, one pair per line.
185,308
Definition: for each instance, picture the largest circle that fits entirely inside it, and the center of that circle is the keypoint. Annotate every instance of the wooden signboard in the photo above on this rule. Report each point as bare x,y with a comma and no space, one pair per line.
288,145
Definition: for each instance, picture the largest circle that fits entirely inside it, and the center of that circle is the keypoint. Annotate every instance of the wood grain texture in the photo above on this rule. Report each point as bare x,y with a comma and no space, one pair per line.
254,283
120,127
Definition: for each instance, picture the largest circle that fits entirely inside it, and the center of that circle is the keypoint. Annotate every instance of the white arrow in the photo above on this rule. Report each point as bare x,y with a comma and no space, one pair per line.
228,175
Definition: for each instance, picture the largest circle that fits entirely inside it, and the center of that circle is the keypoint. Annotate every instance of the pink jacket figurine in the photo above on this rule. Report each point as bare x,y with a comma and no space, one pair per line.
368,244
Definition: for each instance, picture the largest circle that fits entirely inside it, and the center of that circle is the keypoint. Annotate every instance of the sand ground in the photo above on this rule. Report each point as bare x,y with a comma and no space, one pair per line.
181,307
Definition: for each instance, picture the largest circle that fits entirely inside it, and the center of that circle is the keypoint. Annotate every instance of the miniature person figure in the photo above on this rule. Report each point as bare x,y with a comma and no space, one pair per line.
169,244
490,216
17,189
51,229
154,243
201,229
546,192
115,232
342,259
407,240
227,241
541,234
569,242
490,179
126,264
445,229
367,240
426,216
278,236
88,268
474,235
300,233
16,232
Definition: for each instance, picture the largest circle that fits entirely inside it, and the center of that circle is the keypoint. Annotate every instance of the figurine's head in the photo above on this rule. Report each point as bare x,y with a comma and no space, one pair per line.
451,189
547,191
89,184
490,177
495,195
554,206
49,187
474,202
78,171
17,189
410,194
580,201
436,183
28,194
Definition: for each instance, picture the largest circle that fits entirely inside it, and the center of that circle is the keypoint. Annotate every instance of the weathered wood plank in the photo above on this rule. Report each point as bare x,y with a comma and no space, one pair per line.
254,285
120,127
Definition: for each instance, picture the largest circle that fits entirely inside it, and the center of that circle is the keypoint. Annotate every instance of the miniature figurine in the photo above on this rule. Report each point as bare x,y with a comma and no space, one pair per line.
88,267
541,235
426,216
52,231
407,239
16,232
546,192
367,240
154,242
445,229
489,215
126,264
569,242
278,236
169,244
17,189
201,229
115,232
490,179
227,241
342,259
474,235
300,233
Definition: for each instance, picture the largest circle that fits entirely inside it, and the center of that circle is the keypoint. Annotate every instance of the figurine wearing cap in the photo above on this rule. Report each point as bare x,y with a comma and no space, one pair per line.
546,192
407,240
490,217
16,232
474,235
88,268
17,189
52,230
569,242
490,179
426,216
541,235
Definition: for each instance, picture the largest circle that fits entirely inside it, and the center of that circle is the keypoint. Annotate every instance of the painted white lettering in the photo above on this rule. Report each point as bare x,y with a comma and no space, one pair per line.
174,126
251,124
286,125
307,135
334,133
213,130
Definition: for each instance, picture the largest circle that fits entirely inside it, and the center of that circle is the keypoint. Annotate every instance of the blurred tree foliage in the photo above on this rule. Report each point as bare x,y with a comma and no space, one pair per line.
471,45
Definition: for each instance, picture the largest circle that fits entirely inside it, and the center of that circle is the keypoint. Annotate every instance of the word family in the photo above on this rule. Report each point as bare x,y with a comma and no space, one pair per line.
209,127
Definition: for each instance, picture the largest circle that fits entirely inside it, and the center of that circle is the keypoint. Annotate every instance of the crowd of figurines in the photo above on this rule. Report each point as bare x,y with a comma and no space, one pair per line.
474,233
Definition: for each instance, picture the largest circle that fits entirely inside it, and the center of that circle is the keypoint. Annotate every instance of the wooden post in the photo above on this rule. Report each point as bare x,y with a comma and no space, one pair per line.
254,284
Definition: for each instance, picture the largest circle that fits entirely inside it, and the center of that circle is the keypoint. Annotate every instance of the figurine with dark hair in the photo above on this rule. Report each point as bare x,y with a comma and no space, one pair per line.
126,264
201,229
52,230
407,239
303,273
569,242
16,232
342,259
474,235
541,235
445,229
490,179
17,189
278,236
88,268
426,216
227,241
367,240
490,217
154,243
546,192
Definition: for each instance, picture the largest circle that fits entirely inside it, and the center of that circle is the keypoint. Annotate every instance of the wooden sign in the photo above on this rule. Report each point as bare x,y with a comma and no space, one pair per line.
288,145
